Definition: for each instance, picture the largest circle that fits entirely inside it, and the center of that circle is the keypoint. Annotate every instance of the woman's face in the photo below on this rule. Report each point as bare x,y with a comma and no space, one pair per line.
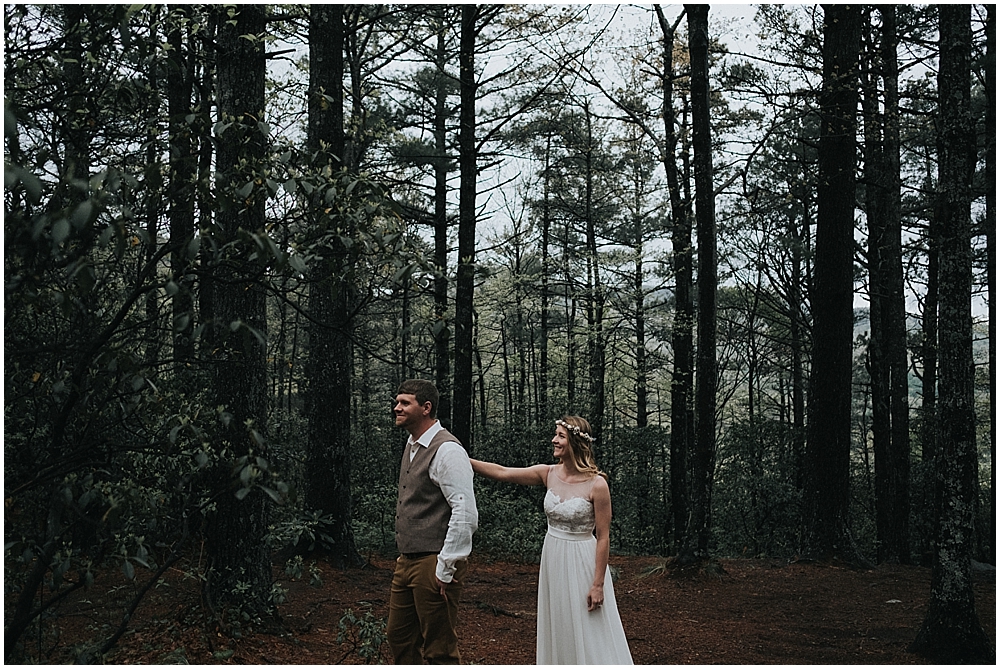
560,443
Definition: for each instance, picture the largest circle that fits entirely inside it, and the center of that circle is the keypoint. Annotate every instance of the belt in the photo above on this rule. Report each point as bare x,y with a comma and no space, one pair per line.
570,536
417,556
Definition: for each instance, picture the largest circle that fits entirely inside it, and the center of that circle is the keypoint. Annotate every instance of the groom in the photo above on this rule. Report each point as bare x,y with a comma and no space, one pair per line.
435,519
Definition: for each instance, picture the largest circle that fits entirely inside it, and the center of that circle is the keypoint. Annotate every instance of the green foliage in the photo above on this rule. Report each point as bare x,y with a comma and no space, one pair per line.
511,521
108,440
376,451
365,634
861,530
756,506
307,531
511,518
374,515
636,462
279,594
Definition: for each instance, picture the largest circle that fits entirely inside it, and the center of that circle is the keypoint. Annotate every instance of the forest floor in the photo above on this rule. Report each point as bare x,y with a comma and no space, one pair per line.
754,612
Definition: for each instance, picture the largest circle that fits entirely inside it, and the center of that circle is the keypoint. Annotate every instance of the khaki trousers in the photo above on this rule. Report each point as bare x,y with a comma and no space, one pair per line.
422,624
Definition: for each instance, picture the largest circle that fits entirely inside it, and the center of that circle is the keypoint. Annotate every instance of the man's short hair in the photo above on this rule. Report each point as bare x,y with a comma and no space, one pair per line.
424,391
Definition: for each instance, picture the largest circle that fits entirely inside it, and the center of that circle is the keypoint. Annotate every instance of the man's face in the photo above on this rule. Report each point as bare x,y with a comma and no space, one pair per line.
408,412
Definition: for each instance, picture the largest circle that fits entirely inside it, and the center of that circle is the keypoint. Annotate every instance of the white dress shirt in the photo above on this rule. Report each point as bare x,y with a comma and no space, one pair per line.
451,471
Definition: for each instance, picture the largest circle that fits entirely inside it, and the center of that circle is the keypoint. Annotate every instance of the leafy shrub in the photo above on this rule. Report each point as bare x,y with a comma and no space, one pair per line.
366,634
756,506
511,521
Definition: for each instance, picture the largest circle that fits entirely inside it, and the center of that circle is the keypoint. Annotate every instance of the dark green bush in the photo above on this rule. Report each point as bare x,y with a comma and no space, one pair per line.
756,506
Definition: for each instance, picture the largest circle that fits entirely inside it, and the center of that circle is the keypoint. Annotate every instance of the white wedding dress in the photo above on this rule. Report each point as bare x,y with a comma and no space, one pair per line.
567,632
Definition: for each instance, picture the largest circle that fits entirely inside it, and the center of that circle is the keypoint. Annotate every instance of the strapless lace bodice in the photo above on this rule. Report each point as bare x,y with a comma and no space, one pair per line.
568,506
573,515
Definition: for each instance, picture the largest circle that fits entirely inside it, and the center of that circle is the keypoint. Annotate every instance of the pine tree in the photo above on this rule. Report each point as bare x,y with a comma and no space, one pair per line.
951,632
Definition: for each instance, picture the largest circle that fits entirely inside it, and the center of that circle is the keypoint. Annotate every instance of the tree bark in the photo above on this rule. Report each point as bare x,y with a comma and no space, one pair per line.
465,280
929,346
569,299
703,453
543,330
596,347
152,170
181,193
641,387
239,565
682,379
798,330
828,443
951,631
887,347
991,250
898,538
928,381
442,333
204,199
76,114
332,297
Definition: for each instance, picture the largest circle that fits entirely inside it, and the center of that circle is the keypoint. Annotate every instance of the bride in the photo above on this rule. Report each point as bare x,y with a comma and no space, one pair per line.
578,621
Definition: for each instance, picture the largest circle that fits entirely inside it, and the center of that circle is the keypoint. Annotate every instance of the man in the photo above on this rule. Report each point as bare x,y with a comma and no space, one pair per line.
435,519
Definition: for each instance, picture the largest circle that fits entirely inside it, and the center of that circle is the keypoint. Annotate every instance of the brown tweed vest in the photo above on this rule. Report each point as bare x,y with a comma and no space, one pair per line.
422,512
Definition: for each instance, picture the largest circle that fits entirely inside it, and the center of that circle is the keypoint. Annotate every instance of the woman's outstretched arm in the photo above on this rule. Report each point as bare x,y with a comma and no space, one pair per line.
534,475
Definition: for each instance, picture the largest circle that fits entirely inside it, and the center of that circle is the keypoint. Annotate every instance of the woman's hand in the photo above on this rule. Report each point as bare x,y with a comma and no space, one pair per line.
595,598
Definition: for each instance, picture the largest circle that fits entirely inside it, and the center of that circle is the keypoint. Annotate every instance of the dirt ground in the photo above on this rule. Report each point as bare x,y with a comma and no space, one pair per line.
756,612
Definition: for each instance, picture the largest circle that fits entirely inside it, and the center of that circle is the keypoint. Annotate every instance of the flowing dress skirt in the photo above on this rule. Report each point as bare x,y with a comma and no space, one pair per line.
567,632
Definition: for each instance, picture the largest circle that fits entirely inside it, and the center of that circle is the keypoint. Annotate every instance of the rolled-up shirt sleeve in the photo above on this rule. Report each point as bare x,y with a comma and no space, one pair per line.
452,472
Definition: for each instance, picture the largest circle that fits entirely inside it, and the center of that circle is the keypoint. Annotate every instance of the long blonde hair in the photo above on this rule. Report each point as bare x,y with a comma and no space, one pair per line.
580,454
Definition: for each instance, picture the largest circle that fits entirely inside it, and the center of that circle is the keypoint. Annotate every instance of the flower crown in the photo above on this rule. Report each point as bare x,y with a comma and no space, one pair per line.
575,429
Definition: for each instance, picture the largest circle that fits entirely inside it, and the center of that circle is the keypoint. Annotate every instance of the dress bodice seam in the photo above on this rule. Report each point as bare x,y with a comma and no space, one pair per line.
552,469
564,501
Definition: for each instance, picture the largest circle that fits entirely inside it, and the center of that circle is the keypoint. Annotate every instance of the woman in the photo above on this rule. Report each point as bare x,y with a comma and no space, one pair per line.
578,621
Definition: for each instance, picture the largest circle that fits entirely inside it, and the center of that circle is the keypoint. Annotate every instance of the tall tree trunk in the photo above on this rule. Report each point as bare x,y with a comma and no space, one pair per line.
641,388
798,328
895,308
682,379
481,383
76,115
569,299
282,361
543,330
521,408
442,333
703,452
204,198
991,249
465,280
951,631
928,351
332,298
239,564
887,349
595,290
183,177
405,361
828,445
152,170
508,392
929,345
